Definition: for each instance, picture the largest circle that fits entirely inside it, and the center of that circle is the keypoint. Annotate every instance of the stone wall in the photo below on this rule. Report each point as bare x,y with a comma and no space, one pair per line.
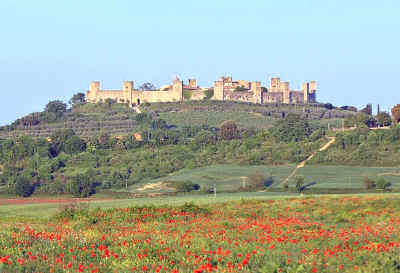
278,92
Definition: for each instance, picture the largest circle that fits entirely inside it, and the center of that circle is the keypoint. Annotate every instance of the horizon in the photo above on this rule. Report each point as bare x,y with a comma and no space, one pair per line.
54,50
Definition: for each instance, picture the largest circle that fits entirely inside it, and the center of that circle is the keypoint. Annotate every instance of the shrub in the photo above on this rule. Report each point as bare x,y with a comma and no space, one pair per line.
185,186
256,180
369,183
382,184
81,186
229,130
23,187
292,128
299,182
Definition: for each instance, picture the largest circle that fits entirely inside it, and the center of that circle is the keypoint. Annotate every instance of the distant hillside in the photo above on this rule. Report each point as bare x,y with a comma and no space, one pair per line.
118,119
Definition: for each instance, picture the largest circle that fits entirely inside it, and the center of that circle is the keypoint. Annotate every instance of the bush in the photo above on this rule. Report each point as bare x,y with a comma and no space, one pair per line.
369,183
81,186
256,180
292,128
23,187
299,182
382,184
185,186
229,130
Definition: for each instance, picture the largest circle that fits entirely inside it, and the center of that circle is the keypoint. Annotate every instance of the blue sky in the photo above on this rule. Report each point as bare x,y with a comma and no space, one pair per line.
53,49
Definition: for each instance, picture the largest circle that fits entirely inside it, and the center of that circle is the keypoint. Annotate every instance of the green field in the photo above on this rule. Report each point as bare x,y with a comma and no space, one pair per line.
214,119
43,211
342,177
230,177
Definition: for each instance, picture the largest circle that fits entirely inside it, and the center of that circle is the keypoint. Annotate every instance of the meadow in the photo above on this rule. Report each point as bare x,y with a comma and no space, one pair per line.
306,234
232,177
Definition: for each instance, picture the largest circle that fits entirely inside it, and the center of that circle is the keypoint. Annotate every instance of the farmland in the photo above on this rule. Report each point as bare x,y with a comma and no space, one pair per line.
312,234
231,177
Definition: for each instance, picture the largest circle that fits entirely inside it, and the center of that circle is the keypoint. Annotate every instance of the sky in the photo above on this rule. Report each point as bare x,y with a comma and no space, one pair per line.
54,49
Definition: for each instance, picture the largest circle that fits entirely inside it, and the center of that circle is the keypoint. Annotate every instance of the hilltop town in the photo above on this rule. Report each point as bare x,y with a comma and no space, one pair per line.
225,89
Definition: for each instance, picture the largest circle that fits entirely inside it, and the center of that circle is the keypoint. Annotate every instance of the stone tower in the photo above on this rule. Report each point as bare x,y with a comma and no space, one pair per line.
257,92
285,87
218,90
127,91
275,84
192,83
306,91
94,91
177,89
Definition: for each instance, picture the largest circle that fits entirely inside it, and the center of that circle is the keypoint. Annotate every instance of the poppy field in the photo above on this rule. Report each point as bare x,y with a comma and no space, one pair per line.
310,234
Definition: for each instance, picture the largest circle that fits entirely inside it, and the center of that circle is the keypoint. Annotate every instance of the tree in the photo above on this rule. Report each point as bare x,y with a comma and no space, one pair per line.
382,184
57,107
228,130
147,86
75,145
299,181
396,113
23,186
383,119
360,119
109,102
292,128
77,99
59,140
81,186
256,180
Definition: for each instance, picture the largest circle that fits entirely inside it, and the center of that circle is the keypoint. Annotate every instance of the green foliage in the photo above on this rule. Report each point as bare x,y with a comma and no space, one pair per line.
369,183
256,180
82,185
184,186
382,184
59,140
56,107
74,144
23,186
292,128
299,183
77,99
383,119
228,130
360,119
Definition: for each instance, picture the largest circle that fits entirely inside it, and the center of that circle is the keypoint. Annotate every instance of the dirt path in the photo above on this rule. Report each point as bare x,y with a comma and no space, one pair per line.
303,163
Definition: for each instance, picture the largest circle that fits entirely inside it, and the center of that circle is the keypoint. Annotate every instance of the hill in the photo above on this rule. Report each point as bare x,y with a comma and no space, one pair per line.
118,119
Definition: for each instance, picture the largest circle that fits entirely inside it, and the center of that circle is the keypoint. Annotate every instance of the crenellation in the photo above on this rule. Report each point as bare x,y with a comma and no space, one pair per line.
224,89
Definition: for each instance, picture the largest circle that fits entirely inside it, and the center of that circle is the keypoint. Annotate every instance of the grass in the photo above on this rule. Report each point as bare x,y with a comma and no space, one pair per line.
214,119
345,177
229,177
226,177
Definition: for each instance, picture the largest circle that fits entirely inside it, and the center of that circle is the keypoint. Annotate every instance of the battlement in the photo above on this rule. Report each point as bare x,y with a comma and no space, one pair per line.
224,89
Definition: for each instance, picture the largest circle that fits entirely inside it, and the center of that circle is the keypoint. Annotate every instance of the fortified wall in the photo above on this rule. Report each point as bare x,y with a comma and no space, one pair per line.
131,96
224,89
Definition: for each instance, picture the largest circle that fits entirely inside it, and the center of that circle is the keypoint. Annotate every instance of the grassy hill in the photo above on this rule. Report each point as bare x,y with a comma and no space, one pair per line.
118,119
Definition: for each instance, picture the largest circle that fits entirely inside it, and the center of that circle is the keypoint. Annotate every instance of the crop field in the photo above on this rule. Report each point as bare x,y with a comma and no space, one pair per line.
348,176
232,177
225,177
313,234
214,119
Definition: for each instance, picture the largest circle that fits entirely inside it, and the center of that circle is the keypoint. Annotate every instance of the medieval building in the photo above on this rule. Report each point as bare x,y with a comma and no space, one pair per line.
225,89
